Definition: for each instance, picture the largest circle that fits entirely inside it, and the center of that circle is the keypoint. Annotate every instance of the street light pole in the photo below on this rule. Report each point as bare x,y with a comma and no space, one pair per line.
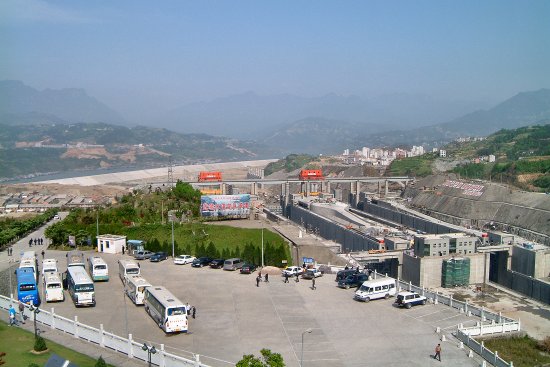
172,237
35,310
302,355
150,350
262,244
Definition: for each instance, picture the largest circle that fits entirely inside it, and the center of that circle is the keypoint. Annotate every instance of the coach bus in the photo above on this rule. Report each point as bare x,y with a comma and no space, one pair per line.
28,260
27,289
53,289
168,312
75,258
135,288
127,268
98,268
80,286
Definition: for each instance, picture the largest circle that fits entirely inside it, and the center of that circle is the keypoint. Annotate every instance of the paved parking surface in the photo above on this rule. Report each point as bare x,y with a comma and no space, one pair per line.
234,317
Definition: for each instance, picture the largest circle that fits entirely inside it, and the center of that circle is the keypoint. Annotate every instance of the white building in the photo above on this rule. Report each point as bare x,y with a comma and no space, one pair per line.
442,153
110,243
491,158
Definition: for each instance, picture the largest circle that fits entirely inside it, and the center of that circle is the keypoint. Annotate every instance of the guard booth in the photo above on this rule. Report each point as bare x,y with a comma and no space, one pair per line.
134,246
110,243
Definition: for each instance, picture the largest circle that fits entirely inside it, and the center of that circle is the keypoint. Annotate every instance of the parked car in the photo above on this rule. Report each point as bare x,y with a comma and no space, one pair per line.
293,270
183,259
409,299
217,263
142,255
343,274
158,256
353,281
248,268
312,273
201,261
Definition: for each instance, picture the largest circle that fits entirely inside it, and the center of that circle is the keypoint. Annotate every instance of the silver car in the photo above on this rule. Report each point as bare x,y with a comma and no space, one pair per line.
142,255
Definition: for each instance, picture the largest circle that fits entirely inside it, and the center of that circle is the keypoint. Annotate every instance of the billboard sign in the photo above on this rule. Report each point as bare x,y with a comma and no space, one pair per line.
231,206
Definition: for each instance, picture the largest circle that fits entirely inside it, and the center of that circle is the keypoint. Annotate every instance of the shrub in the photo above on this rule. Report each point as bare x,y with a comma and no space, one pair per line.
40,344
100,362
544,344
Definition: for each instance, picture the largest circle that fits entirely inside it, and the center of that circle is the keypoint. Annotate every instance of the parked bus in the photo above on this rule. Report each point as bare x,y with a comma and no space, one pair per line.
53,289
49,266
169,313
27,289
135,288
80,286
28,260
98,268
75,258
126,268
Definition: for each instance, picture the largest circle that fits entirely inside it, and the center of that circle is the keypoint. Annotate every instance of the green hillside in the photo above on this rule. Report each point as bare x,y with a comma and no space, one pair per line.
522,158
289,163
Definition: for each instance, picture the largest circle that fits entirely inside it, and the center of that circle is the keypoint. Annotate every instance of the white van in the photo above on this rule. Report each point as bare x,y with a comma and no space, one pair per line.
98,268
53,288
135,288
377,288
49,266
127,268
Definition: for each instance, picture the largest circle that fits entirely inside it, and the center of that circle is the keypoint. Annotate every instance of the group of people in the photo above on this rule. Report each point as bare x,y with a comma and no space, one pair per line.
259,278
190,310
13,313
36,241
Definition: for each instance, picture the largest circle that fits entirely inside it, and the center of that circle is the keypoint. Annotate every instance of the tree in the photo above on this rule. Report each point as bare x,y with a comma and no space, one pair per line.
100,362
268,359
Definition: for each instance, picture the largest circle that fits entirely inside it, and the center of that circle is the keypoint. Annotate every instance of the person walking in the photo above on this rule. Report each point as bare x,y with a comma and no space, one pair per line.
286,277
43,253
266,278
12,316
22,311
297,278
188,309
258,280
194,311
41,241
30,242
35,240
313,283
438,352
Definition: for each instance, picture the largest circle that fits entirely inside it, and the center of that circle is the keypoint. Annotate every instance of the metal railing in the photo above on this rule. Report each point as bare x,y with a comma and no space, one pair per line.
104,339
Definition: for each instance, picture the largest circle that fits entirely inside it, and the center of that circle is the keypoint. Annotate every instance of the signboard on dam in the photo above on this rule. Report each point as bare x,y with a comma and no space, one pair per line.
229,206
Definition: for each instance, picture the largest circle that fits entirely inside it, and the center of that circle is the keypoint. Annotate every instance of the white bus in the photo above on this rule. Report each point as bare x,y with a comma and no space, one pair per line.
98,268
169,313
49,266
28,260
80,286
75,258
135,288
126,268
53,288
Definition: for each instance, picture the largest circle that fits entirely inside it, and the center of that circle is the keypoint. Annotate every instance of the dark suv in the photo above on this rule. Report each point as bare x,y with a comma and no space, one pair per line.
217,263
158,256
201,261
354,281
343,274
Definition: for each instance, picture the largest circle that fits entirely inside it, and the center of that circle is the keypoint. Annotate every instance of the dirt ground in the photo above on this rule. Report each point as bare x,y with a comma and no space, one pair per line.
74,190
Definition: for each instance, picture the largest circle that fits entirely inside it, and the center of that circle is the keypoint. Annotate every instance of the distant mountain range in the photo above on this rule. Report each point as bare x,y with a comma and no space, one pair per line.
255,116
21,104
523,109
291,124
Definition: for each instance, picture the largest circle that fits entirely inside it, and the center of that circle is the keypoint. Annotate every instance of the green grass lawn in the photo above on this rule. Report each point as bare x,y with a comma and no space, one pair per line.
18,343
523,351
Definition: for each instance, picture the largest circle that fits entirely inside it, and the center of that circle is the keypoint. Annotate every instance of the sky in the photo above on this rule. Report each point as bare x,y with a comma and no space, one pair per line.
146,57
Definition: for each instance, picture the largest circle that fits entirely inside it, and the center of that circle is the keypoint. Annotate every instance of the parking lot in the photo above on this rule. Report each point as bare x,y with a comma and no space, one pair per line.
234,317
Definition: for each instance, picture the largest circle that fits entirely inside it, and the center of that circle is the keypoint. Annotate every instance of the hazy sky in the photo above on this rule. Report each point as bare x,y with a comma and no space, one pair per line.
141,57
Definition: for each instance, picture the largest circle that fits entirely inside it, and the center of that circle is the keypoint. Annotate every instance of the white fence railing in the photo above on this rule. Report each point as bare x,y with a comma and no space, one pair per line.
105,339
479,348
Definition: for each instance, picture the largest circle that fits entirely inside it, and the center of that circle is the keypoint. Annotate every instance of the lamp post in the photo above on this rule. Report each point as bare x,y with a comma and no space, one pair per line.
35,310
150,350
308,331
262,244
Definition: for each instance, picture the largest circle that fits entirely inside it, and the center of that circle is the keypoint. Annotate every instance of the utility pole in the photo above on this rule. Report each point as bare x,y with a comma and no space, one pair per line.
97,223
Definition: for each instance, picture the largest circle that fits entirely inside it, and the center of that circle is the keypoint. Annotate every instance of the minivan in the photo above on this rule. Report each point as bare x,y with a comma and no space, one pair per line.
376,288
233,264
